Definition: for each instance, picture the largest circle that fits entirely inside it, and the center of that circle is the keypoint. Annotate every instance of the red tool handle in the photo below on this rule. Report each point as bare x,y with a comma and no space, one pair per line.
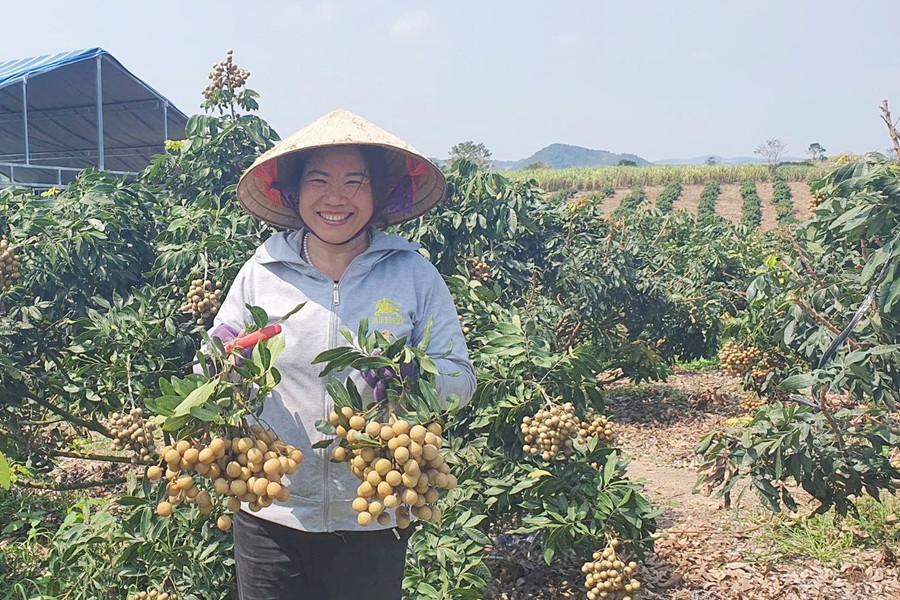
250,340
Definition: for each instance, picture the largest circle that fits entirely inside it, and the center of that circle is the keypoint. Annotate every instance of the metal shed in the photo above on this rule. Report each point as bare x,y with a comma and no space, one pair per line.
66,112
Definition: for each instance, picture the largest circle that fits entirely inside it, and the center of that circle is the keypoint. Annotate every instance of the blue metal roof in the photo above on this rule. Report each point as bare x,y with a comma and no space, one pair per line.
12,71
77,109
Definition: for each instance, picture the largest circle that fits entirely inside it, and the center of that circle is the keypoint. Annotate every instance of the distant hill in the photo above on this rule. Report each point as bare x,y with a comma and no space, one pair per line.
561,156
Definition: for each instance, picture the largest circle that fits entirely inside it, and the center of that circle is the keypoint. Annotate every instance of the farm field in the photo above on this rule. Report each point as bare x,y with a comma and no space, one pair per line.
728,205
623,356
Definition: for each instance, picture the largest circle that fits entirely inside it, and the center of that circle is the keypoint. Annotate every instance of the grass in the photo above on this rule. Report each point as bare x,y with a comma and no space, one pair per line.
831,539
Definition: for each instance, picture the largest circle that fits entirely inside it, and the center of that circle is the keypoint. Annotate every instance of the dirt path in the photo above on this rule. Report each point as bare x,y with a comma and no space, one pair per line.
704,550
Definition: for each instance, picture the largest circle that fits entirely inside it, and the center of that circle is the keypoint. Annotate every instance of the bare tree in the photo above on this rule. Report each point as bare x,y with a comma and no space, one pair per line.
892,127
772,150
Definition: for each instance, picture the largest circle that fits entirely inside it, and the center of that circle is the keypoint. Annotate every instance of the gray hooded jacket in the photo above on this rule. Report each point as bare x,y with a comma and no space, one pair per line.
392,286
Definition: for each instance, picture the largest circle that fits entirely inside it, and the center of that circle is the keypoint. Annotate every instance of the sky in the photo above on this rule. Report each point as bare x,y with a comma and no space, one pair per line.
657,78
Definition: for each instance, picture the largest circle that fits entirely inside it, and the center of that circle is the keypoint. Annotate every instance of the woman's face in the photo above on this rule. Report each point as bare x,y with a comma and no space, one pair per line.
336,194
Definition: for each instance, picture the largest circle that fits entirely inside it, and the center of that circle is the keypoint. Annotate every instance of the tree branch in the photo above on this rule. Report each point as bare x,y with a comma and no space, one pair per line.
69,416
97,457
808,310
81,485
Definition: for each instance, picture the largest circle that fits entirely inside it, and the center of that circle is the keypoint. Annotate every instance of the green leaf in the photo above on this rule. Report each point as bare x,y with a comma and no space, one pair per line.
5,473
196,398
260,318
798,382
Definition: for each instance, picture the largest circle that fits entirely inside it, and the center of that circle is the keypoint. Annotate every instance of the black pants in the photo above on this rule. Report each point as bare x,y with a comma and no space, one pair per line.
279,563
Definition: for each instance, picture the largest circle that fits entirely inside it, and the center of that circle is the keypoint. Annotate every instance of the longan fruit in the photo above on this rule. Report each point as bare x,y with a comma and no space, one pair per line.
272,466
223,522
217,445
383,466
238,487
384,489
393,478
375,508
261,486
373,429
417,433
373,478
409,496
154,473
429,452
357,422
422,512
360,504
164,509
400,427
401,455
364,518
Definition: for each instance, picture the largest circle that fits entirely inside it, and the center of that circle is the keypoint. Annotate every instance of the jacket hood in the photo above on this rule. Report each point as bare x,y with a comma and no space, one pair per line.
284,247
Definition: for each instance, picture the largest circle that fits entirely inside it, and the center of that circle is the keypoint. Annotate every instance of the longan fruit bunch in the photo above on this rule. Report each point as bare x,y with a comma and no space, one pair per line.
202,301
815,200
225,75
761,371
399,464
246,468
751,402
480,270
737,359
550,431
9,265
132,431
597,425
608,577
152,594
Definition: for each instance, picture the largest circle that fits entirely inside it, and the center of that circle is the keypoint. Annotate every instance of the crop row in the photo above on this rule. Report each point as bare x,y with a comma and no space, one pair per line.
596,178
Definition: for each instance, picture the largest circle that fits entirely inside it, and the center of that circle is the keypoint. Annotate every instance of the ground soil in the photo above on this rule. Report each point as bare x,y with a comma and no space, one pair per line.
705,551
728,205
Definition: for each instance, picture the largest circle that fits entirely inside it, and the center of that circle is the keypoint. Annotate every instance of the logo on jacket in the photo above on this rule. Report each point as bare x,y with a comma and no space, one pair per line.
387,311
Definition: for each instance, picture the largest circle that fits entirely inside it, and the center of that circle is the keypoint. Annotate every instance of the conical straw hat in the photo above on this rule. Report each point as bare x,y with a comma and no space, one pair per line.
415,184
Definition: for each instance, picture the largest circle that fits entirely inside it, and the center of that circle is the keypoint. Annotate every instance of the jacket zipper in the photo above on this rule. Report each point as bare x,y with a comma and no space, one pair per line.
336,300
333,333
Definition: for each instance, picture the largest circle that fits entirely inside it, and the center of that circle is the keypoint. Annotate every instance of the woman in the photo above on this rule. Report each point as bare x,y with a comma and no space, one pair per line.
333,184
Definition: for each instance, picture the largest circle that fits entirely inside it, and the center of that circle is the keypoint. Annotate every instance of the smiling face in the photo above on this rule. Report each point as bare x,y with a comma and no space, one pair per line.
336,193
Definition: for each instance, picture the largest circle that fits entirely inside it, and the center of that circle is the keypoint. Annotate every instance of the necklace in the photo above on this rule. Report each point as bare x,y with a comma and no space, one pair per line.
304,246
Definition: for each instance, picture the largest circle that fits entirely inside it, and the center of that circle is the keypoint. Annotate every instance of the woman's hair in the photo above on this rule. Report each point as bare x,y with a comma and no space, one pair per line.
290,173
